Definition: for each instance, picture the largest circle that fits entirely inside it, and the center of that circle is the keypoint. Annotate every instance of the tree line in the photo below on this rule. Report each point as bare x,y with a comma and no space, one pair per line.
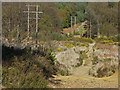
102,17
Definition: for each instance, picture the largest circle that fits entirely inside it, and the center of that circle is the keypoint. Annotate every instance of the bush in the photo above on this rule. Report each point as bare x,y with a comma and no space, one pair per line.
70,35
58,36
106,41
68,45
109,40
51,57
84,44
23,74
59,50
89,40
83,39
118,38
63,72
82,57
26,70
106,71
76,33
95,60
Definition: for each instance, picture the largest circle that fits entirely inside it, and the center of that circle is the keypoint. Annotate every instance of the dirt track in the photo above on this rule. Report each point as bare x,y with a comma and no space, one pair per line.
83,80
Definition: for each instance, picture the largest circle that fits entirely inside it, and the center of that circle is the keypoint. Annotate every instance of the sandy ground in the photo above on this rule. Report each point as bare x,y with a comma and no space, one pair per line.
80,79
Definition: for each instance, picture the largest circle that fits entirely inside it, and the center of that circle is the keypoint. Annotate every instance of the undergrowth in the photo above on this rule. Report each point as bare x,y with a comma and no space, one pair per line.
28,69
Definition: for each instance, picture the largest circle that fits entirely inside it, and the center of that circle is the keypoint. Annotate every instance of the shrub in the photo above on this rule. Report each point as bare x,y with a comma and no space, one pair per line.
70,39
105,60
76,33
27,70
83,39
63,72
84,44
102,72
106,41
81,58
70,35
95,60
109,40
58,49
78,64
23,74
68,45
114,38
51,57
118,38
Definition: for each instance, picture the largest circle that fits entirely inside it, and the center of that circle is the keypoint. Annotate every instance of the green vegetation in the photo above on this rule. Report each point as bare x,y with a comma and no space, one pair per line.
56,16
95,60
83,39
106,71
23,69
84,44
63,72
26,68
108,40
68,45
51,56
82,57
59,49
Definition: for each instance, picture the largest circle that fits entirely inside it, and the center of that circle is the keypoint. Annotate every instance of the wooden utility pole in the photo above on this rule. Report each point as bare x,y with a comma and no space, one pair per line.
75,20
98,32
36,21
90,28
35,12
28,22
28,29
9,24
71,24
75,23
18,34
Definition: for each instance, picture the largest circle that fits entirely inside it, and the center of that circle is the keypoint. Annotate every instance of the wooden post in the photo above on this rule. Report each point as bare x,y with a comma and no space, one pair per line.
90,28
71,23
28,24
18,33
98,33
75,20
75,23
36,23
9,24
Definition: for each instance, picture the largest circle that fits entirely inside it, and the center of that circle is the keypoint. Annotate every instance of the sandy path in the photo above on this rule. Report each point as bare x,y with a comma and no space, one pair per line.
82,80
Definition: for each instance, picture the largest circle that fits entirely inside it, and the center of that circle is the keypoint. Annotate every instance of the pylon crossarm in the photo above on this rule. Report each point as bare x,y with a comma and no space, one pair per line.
33,5
31,12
